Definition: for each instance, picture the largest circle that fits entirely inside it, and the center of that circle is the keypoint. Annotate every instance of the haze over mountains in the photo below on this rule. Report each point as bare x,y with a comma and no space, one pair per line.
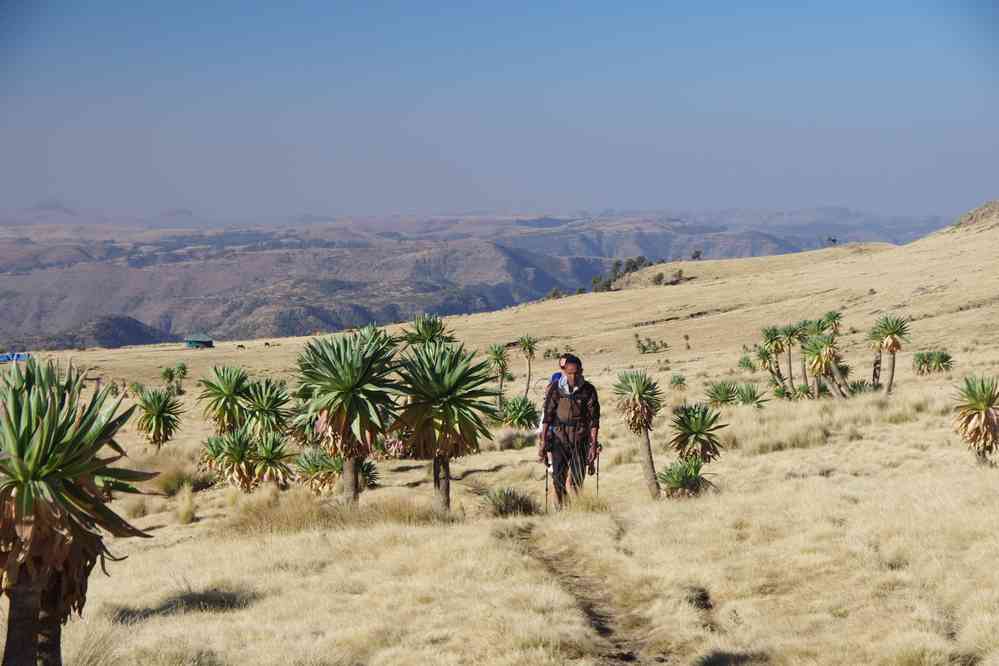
63,271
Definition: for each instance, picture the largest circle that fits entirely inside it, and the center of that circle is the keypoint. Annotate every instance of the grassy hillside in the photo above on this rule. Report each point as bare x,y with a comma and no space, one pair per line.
850,532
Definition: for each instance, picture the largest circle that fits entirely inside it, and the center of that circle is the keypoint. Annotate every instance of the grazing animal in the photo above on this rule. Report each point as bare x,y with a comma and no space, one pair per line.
240,346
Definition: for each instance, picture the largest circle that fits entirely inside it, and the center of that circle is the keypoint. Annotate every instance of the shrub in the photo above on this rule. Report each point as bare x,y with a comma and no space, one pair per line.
696,427
801,392
684,478
749,394
650,346
269,460
722,393
746,363
678,382
319,471
506,502
658,279
859,386
925,363
520,413
941,362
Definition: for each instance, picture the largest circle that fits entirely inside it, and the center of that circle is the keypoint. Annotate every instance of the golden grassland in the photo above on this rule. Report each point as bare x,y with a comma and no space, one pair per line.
854,532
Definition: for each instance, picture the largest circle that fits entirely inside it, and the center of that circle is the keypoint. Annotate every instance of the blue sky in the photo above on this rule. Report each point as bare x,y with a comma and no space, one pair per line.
373,108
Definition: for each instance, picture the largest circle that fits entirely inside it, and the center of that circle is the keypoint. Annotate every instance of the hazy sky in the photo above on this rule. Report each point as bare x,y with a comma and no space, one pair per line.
369,107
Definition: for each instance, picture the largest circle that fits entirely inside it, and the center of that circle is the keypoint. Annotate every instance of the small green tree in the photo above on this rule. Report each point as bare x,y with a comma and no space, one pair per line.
159,416
445,408
499,362
266,404
678,382
823,361
639,400
833,320
427,328
977,415
529,348
770,351
892,330
57,452
223,395
695,429
349,384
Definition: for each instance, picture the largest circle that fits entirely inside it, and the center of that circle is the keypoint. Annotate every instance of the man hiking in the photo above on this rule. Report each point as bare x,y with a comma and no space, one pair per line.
570,424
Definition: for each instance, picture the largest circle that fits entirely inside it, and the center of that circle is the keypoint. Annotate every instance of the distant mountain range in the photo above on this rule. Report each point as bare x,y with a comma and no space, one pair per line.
66,275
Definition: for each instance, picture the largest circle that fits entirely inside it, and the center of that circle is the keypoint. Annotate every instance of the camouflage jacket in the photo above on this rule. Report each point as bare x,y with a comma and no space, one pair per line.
582,407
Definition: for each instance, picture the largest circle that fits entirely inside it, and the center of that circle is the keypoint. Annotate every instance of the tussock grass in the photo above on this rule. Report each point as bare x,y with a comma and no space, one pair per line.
175,474
784,426
623,456
268,511
186,509
135,506
589,502
506,439
507,502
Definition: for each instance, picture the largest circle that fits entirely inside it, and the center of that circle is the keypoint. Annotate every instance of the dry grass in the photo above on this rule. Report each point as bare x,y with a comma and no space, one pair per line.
268,511
186,509
174,475
853,532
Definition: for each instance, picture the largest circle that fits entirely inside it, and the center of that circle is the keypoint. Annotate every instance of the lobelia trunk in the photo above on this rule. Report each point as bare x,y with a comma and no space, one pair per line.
790,369
876,369
50,626
815,389
351,482
21,648
891,371
442,483
777,374
833,387
527,389
499,396
841,384
804,374
649,468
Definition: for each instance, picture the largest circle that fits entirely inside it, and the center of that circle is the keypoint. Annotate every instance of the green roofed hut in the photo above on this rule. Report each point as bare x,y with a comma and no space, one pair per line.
199,341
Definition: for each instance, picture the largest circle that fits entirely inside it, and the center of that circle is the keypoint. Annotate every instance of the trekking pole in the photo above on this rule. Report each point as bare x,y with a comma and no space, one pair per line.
598,472
546,482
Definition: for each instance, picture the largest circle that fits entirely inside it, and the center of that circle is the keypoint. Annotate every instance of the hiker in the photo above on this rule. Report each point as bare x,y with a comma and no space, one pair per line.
570,423
557,375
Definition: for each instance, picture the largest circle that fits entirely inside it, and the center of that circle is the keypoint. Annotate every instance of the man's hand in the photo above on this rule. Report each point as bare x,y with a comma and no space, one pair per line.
592,454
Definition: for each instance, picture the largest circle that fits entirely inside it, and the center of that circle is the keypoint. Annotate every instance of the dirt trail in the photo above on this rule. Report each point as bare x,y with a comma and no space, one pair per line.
616,647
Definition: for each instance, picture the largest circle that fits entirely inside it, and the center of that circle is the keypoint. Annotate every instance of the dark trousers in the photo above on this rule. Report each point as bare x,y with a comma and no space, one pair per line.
567,458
